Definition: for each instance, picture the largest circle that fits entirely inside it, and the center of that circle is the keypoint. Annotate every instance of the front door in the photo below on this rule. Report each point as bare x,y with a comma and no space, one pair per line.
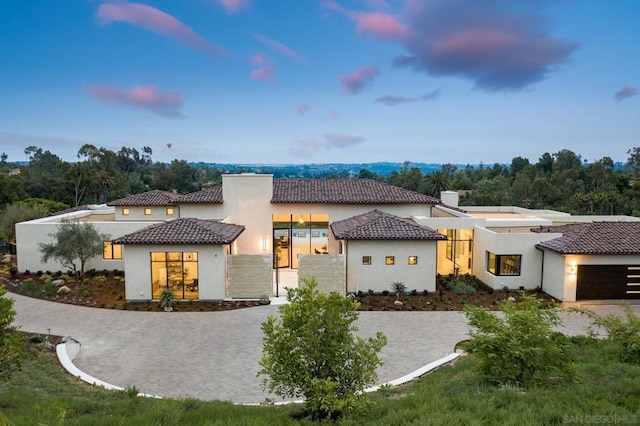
281,247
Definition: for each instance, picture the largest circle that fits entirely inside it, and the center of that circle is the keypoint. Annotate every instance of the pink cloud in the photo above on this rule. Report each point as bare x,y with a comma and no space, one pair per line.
279,47
234,6
357,80
333,115
625,92
497,45
265,69
302,109
154,20
167,103
381,26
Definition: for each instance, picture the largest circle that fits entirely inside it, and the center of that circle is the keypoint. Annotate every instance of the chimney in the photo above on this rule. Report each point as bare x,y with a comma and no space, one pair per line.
450,198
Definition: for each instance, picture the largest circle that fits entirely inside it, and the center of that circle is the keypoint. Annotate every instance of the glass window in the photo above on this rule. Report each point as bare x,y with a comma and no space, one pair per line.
389,260
169,211
503,264
111,251
125,211
413,260
366,260
177,271
147,211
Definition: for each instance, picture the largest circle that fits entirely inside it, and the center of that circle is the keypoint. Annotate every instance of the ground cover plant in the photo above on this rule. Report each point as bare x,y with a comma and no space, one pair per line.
606,391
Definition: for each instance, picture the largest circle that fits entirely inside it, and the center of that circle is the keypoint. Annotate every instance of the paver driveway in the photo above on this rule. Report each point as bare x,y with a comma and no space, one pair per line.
214,355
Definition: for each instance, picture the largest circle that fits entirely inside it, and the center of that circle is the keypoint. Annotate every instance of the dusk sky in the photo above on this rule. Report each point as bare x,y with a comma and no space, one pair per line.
314,81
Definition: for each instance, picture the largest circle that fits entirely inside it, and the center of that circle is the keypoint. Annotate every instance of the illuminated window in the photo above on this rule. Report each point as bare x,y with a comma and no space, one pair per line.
125,211
169,211
413,260
366,260
147,211
503,264
111,251
389,260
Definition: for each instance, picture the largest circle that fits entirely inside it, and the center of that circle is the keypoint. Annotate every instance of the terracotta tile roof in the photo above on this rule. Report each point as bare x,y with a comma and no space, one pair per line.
344,191
71,210
150,198
594,238
377,225
205,196
184,231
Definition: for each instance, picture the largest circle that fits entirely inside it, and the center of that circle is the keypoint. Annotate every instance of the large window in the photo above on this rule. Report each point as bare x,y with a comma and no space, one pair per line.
177,271
111,251
503,264
299,234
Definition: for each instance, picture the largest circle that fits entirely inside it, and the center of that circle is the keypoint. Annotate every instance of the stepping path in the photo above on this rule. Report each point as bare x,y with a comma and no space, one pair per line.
214,355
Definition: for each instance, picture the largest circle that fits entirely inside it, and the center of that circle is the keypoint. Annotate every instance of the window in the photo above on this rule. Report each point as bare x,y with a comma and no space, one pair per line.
111,251
125,211
366,260
503,264
389,260
147,211
169,211
413,260
177,271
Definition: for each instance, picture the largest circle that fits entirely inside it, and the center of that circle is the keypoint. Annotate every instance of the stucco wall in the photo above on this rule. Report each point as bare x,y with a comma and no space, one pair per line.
329,270
203,211
30,234
211,270
137,213
509,244
556,281
250,276
379,277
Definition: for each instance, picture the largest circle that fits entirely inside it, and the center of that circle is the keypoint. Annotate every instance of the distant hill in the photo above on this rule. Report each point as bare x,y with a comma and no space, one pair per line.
324,169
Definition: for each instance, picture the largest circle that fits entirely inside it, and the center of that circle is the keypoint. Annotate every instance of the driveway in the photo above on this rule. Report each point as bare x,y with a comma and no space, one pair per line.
214,355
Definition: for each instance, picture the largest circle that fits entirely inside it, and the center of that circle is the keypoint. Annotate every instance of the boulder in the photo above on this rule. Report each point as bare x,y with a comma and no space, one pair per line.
398,303
63,290
511,299
59,282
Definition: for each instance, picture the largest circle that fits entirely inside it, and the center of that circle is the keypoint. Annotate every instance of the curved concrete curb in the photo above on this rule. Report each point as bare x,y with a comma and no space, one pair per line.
69,348
397,382
67,351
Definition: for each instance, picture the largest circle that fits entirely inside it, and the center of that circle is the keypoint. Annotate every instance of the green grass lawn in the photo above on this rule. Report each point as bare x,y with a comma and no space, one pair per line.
605,392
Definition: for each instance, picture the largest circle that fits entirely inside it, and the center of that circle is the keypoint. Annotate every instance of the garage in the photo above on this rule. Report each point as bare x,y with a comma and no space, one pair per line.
608,282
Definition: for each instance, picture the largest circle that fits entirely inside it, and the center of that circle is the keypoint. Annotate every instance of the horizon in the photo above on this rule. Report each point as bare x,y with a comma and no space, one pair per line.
361,81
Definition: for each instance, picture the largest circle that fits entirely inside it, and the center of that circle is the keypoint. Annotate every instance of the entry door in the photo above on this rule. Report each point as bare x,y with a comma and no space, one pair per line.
281,247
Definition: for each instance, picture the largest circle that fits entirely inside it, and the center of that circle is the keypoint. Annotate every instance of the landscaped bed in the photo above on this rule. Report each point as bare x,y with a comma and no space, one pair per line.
105,289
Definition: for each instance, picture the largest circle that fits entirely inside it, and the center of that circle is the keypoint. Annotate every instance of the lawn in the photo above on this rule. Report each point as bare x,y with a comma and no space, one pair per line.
605,391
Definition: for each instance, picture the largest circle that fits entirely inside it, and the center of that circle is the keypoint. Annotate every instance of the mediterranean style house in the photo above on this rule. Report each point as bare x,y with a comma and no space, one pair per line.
234,240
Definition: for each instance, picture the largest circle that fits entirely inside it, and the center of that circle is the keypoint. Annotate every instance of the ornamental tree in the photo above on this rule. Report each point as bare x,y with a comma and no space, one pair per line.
74,243
311,352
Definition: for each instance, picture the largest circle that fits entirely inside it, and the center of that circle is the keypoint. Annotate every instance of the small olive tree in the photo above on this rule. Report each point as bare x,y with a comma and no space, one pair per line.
522,348
12,348
311,352
74,243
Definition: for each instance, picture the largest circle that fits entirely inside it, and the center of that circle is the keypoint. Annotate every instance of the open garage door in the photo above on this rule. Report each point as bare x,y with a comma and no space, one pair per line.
608,282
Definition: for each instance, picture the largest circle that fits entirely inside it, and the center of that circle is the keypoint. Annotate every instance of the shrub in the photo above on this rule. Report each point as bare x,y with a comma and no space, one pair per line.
398,288
521,349
311,351
623,330
459,287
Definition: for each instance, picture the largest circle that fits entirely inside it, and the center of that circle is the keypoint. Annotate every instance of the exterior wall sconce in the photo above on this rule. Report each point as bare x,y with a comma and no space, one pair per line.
264,244
573,270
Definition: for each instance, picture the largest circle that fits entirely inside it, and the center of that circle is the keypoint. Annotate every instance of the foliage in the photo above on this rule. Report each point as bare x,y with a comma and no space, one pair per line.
16,213
11,342
623,330
521,349
73,242
311,352
167,298
398,288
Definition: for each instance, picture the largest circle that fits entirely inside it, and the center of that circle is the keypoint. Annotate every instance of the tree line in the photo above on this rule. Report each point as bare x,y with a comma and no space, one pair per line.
560,181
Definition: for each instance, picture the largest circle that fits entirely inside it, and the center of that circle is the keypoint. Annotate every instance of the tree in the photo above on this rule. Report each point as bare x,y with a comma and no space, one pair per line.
16,213
311,352
74,242
521,349
12,347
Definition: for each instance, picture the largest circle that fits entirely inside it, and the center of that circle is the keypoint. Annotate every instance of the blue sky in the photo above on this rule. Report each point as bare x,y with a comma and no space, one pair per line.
306,81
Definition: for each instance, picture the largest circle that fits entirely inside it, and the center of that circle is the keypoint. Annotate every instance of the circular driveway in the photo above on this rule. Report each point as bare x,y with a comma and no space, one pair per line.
214,355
